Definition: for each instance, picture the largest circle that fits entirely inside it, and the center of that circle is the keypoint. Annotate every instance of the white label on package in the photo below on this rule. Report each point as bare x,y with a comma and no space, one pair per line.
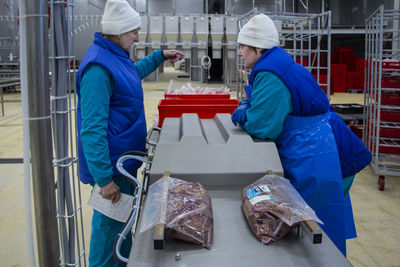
257,199
256,190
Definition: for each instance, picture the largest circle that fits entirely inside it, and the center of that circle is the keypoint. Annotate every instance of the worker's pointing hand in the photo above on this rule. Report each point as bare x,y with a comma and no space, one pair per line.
110,192
173,55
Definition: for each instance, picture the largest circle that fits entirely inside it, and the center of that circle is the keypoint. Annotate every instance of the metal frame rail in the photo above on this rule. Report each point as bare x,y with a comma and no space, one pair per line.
306,37
382,66
7,82
63,114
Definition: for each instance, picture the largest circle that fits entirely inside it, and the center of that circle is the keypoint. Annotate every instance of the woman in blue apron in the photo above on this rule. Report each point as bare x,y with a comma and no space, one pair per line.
319,154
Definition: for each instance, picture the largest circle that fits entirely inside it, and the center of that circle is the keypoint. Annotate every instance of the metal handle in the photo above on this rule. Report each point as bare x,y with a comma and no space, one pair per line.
149,133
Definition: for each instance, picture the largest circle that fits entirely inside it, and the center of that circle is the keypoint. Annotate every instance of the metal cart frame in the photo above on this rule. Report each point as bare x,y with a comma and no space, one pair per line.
382,39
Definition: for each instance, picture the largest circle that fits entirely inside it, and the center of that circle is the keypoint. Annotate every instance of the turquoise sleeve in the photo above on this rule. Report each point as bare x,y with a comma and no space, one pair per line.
149,64
271,103
96,90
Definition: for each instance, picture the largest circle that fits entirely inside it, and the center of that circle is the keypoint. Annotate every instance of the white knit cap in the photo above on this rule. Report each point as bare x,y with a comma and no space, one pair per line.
260,32
119,17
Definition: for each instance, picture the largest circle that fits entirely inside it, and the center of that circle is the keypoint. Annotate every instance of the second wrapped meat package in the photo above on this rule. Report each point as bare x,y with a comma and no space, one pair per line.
273,207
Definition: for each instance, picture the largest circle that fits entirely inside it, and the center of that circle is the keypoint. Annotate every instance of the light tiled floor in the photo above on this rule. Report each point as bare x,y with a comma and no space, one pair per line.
377,213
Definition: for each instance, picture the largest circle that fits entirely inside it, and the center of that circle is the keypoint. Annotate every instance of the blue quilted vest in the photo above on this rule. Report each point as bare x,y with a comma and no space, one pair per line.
127,124
309,99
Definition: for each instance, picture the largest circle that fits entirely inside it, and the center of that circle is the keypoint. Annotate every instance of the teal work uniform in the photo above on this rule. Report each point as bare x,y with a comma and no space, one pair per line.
96,91
269,108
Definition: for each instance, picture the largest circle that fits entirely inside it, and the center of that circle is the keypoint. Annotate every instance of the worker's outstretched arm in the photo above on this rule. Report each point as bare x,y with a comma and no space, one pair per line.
151,62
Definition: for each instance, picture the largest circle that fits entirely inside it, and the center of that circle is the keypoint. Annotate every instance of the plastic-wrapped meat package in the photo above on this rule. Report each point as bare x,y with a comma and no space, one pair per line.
273,207
189,214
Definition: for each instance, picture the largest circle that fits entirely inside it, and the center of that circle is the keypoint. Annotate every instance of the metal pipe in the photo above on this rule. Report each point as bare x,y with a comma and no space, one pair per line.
328,88
26,145
34,43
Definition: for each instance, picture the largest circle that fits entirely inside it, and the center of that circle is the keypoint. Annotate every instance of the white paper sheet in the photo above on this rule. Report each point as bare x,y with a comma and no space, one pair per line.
119,211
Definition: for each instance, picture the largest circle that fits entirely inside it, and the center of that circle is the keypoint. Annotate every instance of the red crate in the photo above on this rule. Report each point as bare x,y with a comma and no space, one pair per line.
390,64
390,82
339,78
360,65
344,55
389,132
389,149
197,96
360,68
390,115
354,80
390,99
205,108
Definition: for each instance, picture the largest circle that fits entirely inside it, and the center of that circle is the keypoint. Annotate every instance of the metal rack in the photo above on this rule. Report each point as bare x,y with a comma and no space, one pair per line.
63,113
381,129
306,37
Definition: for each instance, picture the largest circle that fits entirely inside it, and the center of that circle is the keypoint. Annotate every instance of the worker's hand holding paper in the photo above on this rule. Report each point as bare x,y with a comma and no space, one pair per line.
119,211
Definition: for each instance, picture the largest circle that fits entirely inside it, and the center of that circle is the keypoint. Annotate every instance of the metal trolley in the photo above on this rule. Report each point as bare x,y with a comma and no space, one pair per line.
381,131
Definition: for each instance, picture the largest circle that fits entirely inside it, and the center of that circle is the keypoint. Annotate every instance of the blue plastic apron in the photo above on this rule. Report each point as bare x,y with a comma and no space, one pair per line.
310,160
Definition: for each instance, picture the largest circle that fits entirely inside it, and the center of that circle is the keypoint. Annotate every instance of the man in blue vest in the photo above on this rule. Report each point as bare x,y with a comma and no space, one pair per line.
111,118
319,154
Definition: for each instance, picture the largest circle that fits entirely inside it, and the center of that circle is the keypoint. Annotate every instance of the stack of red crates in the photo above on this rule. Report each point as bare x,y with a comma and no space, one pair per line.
339,78
360,68
205,105
355,70
344,55
354,80
390,97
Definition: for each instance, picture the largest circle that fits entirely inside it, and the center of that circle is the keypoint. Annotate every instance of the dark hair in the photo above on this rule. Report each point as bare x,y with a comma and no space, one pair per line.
255,49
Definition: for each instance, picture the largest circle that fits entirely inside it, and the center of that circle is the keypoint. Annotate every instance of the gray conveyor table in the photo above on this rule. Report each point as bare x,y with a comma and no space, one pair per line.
224,159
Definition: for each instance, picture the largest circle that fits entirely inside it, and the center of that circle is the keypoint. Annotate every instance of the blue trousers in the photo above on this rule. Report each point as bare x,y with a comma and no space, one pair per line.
104,232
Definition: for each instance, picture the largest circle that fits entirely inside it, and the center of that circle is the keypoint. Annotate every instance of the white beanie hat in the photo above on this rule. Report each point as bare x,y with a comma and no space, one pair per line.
260,32
119,17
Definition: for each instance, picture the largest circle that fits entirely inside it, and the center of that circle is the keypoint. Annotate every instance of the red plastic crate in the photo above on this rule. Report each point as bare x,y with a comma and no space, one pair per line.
197,96
344,55
390,64
389,132
339,78
390,83
354,80
390,115
390,99
360,65
388,148
205,108
360,68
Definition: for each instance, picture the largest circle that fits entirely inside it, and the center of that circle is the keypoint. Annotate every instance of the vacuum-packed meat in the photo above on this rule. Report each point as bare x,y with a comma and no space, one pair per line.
273,207
189,214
